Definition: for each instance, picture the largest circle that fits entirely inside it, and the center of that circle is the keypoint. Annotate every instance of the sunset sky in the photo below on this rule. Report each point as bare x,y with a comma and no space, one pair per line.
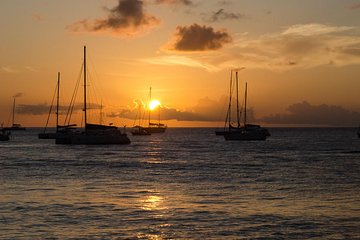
301,58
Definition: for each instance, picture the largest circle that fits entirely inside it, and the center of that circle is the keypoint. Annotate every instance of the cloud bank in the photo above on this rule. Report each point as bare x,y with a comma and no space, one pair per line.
198,38
306,114
126,19
206,110
300,46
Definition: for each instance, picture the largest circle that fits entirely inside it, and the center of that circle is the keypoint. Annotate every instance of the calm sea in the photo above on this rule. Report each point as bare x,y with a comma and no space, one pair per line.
184,184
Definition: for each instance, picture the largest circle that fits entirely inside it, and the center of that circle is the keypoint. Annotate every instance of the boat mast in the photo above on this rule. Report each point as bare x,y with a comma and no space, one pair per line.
57,101
13,115
237,99
229,109
159,114
101,112
149,105
245,104
85,117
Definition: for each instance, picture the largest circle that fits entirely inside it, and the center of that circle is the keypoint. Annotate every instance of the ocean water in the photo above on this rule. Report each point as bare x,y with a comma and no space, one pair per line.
184,184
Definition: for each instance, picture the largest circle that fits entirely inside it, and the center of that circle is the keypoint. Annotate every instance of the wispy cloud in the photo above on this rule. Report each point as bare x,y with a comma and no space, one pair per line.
175,2
175,60
198,38
8,69
126,19
314,29
31,69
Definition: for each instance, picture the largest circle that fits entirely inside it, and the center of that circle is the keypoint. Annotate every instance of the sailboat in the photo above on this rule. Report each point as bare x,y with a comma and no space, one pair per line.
228,113
52,135
95,134
247,132
14,126
156,127
139,130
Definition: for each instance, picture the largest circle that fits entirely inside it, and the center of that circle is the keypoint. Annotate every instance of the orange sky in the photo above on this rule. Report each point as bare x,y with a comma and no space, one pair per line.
302,58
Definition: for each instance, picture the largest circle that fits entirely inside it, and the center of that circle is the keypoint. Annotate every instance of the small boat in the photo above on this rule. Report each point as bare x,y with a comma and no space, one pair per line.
156,127
92,134
246,132
151,127
4,134
139,131
14,126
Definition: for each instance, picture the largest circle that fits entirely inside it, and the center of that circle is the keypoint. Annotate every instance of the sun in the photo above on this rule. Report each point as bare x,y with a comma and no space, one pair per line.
153,104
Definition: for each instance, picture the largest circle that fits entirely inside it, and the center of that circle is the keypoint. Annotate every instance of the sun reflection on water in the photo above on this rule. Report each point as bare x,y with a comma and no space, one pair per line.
152,202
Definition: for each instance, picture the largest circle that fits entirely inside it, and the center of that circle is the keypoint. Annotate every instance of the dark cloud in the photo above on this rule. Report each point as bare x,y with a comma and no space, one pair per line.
355,6
221,14
306,114
40,109
224,3
175,2
199,38
166,114
127,18
18,95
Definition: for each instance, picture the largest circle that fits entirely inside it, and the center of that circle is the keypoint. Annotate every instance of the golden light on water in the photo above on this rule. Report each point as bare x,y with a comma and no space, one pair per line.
154,104
152,203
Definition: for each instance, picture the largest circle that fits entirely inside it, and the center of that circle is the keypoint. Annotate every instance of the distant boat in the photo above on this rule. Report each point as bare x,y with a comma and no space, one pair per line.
96,134
139,130
14,126
4,134
156,127
52,135
246,132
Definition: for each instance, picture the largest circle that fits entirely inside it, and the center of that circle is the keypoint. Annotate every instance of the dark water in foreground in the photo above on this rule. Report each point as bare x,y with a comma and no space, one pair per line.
186,183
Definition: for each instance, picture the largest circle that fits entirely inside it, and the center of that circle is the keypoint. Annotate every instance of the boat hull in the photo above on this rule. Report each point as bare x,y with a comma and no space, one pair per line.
92,138
140,131
15,128
156,129
248,133
4,138
47,135
245,136
221,133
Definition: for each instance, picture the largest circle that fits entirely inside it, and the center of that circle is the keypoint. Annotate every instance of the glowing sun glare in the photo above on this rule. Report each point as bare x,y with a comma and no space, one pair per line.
153,104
